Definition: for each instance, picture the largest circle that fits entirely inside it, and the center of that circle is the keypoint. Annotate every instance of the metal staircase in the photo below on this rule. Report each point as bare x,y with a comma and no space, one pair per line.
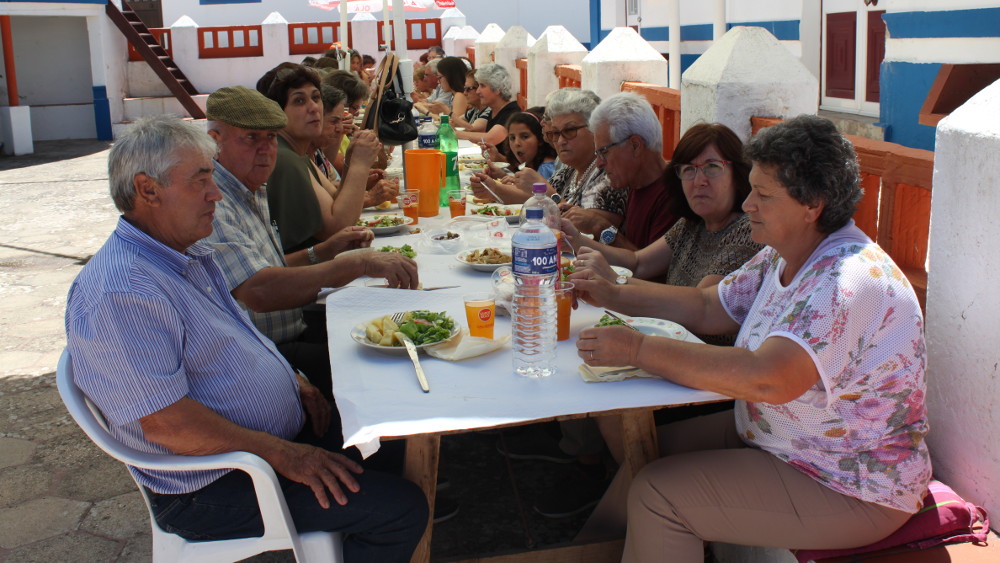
155,56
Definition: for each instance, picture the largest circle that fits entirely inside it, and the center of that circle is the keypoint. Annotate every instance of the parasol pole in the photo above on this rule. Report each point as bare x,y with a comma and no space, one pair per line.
386,28
345,61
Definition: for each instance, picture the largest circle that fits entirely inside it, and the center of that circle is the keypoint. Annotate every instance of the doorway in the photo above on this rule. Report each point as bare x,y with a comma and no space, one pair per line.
852,50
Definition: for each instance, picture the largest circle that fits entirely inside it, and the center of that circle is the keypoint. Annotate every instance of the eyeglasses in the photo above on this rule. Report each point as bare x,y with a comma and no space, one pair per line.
471,88
602,153
569,133
711,169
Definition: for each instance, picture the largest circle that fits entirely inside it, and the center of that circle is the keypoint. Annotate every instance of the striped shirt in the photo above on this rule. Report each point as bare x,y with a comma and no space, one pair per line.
246,241
147,326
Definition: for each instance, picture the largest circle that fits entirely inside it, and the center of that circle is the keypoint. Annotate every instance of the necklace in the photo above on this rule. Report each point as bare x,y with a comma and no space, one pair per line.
578,178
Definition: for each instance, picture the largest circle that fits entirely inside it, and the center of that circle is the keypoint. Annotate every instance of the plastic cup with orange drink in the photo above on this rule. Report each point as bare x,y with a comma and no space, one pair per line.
564,306
456,202
480,312
409,202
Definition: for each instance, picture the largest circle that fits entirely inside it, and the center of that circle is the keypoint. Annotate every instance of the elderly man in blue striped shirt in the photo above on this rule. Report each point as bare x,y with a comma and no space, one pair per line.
175,365
271,285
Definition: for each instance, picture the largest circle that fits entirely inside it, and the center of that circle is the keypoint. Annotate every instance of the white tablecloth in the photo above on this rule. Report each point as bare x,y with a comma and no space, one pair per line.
378,395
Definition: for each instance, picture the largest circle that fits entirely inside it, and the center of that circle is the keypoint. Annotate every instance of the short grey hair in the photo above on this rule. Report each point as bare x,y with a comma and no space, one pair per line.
815,163
495,76
572,100
153,147
629,114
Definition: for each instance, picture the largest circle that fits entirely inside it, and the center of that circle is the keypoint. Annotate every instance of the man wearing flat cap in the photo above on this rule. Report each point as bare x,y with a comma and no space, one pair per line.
271,285
175,366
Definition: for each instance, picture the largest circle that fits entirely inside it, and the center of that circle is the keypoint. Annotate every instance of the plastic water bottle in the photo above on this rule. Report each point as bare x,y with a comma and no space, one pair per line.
536,269
427,134
448,144
549,207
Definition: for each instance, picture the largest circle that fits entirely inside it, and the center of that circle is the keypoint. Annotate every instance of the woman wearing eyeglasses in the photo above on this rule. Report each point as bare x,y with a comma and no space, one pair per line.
495,92
711,239
826,449
451,77
478,113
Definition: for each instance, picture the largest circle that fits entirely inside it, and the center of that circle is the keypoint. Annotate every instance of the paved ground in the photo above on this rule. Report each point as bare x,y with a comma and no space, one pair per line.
62,499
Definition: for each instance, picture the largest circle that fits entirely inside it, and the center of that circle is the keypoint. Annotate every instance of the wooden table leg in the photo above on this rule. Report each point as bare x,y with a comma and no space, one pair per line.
639,439
422,453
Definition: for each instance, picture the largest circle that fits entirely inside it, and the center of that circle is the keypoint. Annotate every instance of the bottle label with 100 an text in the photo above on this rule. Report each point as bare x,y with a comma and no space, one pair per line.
535,261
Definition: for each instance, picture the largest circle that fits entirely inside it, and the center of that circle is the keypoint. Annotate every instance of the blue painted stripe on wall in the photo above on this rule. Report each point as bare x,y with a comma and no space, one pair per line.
903,88
102,114
595,24
783,30
983,22
786,30
687,60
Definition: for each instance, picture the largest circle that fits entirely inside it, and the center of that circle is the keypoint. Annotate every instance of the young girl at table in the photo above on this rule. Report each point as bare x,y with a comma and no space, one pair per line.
525,145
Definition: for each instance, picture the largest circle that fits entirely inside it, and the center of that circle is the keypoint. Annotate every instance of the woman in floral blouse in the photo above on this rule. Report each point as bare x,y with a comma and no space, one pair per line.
827,446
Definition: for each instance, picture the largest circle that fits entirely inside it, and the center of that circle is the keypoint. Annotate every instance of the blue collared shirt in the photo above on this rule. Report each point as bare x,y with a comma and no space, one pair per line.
245,242
147,326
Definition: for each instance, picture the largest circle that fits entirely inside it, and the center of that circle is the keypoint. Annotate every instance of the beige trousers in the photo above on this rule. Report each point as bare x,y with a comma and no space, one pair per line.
710,486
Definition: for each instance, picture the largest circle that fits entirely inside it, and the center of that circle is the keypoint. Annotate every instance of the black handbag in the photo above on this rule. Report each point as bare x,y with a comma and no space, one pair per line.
393,113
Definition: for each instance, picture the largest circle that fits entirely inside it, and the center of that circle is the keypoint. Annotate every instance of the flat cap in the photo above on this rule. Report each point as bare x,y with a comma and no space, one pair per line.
245,108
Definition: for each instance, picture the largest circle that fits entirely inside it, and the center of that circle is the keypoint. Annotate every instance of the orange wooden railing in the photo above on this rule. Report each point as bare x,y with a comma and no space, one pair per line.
162,35
569,75
666,103
896,208
522,96
470,53
314,38
420,34
230,41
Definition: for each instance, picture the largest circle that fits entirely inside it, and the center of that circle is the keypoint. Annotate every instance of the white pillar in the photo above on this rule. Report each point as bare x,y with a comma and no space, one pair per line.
274,39
452,18
344,35
622,56
405,63
386,38
487,42
962,302
514,45
556,46
747,73
719,20
364,28
15,124
674,13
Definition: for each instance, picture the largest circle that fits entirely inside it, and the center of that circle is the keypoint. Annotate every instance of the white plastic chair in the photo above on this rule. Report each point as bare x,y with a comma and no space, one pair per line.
279,530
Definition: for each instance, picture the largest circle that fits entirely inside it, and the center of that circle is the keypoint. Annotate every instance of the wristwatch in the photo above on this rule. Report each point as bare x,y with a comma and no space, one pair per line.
609,235
622,279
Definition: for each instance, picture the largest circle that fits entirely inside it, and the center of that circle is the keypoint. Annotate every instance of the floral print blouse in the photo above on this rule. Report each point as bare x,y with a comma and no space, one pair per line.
860,429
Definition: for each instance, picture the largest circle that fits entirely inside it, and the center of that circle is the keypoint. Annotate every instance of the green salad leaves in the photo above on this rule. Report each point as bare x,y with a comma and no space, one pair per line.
426,327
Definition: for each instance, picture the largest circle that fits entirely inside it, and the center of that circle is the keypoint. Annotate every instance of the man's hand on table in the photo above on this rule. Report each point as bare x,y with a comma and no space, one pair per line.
345,239
609,346
586,220
319,469
398,270
315,405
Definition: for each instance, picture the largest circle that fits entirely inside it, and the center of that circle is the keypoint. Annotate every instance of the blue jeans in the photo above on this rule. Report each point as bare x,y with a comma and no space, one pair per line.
382,522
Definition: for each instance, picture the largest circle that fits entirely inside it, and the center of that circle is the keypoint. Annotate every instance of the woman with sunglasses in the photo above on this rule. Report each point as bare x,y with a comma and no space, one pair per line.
711,239
478,113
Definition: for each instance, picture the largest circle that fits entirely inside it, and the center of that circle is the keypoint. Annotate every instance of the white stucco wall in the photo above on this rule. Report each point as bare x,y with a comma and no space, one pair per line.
963,376
747,73
514,45
556,46
531,14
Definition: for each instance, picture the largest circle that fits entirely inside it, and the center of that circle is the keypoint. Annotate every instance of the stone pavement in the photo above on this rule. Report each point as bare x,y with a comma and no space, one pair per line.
61,498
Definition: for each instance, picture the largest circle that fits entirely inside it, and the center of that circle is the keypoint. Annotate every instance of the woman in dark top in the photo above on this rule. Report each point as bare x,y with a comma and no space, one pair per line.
495,91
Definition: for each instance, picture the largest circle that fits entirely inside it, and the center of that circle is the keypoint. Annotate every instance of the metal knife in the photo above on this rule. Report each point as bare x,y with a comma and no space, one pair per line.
412,351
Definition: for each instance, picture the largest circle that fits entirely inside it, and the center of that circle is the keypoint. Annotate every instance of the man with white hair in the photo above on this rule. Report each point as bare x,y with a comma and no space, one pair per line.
439,101
629,147
175,366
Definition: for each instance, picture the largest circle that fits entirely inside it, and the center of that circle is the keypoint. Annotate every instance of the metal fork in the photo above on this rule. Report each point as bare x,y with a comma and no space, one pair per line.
411,350
616,317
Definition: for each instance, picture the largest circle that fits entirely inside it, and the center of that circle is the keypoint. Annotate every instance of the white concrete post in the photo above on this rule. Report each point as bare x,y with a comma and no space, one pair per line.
344,36
184,47
556,46
487,42
364,28
400,30
451,18
514,45
15,124
745,74
622,56
674,27
274,39
963,373
466,38
719,20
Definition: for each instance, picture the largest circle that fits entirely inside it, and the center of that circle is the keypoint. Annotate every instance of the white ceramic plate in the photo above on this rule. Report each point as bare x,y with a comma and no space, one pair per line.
657,327
461,257
514,209
622,271
358,335
388,230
